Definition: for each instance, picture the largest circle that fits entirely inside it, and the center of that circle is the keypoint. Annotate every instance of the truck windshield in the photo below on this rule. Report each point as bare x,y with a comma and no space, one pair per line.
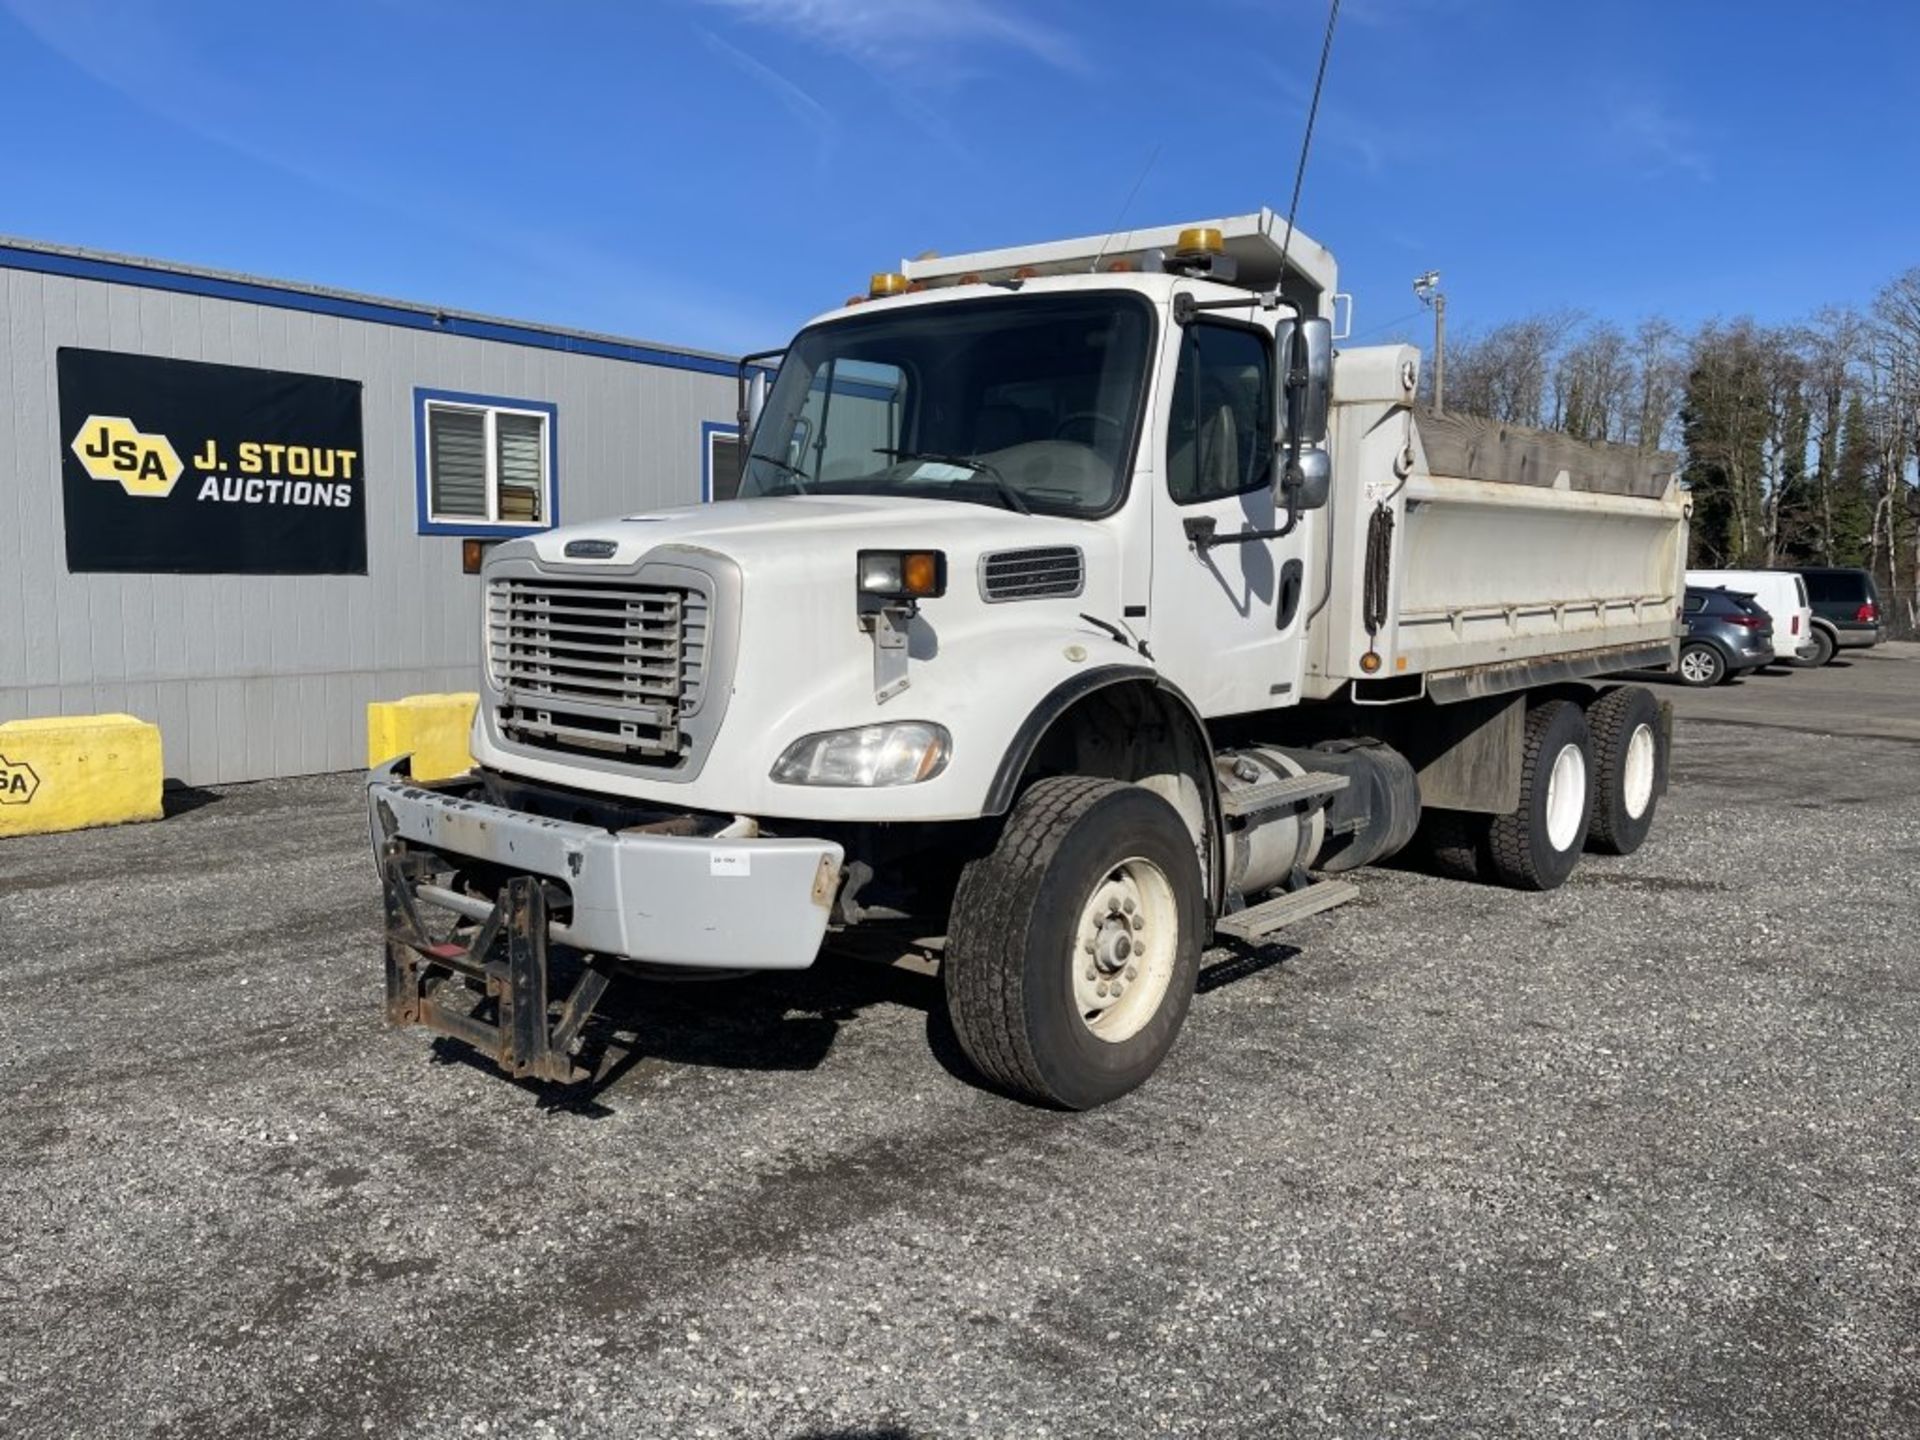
1025,402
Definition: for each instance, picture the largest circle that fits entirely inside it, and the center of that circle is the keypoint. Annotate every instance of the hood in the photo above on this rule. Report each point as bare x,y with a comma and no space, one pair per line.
775,532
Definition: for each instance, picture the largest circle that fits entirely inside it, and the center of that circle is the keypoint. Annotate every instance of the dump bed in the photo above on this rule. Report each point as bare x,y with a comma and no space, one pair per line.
1472,557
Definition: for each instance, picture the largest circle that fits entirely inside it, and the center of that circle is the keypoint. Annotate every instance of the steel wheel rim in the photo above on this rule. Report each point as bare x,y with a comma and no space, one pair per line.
1124,950
1636,780
1697,665
1566,797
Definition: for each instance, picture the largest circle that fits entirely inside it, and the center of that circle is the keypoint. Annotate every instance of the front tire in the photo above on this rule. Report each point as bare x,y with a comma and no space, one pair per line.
1537,846
1627,763
1073,946
1456,843
1701,666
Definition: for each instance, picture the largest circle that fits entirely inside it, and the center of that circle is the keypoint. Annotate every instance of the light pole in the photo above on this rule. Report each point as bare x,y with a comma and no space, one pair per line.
1427,287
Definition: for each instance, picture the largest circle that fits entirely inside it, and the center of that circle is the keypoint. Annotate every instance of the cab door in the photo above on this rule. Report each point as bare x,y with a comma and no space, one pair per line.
1227,617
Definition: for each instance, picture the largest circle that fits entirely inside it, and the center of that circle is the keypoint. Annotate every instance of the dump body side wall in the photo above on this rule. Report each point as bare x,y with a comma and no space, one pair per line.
1523,547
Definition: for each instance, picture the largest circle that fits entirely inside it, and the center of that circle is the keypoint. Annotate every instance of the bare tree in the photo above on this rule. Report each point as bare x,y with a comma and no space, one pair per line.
1830,347
1505,373
1893,370
1727,420
1660,375
1593,382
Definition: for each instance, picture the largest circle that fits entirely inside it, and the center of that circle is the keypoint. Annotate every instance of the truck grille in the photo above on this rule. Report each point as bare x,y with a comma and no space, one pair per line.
597,667
1043,573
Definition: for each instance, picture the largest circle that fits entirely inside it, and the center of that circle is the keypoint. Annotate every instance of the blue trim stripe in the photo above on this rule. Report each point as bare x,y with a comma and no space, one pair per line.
480,529
374,312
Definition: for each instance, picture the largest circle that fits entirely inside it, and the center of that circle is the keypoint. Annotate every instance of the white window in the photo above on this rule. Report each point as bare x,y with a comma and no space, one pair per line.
486,463
723,463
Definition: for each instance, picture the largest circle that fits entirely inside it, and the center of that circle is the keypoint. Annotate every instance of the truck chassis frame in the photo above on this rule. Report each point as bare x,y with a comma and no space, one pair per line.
495,957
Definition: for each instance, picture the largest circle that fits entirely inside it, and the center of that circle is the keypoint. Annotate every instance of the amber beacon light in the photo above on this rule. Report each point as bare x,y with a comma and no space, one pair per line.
1199,240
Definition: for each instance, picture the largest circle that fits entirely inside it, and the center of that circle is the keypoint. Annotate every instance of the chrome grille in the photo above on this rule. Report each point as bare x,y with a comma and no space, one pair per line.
1046,572
597,667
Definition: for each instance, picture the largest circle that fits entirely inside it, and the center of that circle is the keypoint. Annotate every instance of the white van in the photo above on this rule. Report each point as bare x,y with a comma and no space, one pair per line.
1783,595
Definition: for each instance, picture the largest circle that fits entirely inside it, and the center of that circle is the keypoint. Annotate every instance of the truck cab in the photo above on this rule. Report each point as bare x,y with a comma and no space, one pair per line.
1070,615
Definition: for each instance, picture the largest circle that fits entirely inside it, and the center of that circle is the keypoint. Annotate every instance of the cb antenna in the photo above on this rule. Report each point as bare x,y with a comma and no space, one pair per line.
1306,141
1125,205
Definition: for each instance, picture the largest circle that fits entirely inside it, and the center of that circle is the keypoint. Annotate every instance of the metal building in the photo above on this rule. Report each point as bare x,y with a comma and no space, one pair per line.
236,507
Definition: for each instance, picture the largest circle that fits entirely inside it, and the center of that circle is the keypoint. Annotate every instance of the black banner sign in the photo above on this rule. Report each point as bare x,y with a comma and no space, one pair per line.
190,468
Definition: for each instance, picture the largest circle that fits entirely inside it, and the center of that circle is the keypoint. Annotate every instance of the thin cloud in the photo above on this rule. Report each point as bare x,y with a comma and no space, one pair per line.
1368,144
889,35
121,44
1649,134
796,101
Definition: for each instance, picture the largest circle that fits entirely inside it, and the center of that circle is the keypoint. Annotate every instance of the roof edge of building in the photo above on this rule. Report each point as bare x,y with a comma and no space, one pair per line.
18,253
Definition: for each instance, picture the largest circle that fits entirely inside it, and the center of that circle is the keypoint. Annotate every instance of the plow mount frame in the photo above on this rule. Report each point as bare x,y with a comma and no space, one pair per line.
507,956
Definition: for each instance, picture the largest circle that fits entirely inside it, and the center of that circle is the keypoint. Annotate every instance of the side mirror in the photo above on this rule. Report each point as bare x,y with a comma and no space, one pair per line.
756,398
1304,351
1310,479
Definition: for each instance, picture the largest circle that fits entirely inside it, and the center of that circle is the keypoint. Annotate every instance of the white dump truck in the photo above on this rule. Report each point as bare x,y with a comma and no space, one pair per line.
1083,606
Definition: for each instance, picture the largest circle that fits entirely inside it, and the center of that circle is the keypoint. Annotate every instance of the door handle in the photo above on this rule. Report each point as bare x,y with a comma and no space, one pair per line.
1292,582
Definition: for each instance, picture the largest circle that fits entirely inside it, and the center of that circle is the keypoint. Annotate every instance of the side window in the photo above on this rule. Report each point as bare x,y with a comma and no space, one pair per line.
485,464
1220,432
1695,603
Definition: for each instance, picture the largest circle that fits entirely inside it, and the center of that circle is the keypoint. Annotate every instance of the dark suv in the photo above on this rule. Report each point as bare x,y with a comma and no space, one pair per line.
1727,634
1846,611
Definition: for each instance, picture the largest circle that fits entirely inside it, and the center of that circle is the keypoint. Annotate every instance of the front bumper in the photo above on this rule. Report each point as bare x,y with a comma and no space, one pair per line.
696,901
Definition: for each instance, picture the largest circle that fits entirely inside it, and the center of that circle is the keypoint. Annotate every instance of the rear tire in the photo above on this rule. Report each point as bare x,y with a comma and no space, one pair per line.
1628,760
1825,648
1537,846
1074,945
1700,666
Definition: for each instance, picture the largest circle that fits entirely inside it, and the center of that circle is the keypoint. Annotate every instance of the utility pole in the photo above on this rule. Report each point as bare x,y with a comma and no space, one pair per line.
1427,287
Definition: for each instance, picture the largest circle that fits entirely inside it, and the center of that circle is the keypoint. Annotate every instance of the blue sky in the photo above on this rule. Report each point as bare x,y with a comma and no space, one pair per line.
710,172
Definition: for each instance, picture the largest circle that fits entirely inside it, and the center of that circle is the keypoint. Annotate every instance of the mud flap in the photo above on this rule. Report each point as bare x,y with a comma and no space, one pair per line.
491,985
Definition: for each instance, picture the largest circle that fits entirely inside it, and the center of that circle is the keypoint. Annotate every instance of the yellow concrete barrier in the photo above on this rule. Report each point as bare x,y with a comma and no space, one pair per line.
431,728
74,771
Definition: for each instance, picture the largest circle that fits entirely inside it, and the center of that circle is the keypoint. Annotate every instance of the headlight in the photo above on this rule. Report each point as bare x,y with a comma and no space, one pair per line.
903,753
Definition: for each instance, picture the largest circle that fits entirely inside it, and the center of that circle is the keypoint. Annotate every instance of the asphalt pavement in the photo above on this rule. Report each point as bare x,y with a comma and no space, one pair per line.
1640,1157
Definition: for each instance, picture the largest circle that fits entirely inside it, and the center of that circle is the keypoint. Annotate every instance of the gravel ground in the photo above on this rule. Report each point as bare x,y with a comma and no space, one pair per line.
1636,1157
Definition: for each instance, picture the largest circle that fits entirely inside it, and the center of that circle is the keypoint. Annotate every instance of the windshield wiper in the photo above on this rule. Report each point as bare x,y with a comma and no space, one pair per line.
799,475
978,466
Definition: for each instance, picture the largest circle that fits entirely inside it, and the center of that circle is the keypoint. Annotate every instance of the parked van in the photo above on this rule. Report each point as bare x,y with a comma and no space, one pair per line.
1846,610
1783,595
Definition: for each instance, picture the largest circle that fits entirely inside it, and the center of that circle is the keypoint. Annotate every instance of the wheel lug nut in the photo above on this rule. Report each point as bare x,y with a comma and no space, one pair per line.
1102,990
1127,905
1092,974
1133,972
1139,922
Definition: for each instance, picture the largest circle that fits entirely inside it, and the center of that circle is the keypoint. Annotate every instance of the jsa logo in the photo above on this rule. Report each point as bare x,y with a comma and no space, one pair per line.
112,449
17,782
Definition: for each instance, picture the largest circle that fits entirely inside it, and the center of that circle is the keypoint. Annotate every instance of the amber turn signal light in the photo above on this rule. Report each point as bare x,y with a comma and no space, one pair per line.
903,574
